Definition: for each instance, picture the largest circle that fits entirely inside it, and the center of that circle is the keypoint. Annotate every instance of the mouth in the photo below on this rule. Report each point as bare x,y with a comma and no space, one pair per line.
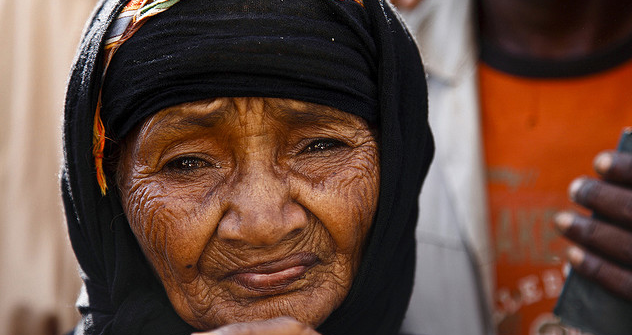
275,276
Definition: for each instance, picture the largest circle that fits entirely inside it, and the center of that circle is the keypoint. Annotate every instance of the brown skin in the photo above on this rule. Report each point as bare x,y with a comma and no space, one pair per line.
606,245
250,209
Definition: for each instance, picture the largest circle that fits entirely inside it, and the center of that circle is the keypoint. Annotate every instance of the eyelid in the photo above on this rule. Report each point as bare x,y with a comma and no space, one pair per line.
170,149
209,161
304,146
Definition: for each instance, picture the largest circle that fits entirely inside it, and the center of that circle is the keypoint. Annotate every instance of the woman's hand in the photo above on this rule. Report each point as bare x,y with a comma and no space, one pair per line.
278,326
605,244
405,4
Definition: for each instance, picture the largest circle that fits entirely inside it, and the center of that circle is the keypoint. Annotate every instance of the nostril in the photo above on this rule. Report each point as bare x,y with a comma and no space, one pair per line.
261,216
228,226
295,215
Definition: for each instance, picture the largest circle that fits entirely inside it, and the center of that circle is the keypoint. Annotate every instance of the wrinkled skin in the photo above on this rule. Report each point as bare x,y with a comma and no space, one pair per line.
604,247
250,209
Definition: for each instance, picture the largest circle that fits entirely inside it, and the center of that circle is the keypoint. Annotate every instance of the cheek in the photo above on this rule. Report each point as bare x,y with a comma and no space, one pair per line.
170,226
346,201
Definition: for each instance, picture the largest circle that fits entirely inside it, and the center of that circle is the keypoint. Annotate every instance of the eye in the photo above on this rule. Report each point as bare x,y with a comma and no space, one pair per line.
188,163
322,144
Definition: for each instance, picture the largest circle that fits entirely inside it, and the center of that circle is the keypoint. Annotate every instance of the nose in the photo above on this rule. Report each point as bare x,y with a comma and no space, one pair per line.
261,211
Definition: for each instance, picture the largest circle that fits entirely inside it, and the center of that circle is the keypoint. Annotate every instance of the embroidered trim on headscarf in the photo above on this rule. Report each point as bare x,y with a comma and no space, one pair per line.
131,18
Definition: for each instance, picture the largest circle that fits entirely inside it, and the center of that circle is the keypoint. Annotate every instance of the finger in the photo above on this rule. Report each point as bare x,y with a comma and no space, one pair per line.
612,277
613,202
602,238
405,4
614,166
277,326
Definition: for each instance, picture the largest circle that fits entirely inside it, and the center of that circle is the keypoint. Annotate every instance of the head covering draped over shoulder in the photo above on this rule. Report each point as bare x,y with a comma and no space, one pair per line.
352,55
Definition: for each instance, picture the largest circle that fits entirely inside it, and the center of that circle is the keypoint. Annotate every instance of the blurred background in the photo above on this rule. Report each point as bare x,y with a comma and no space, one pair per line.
39,278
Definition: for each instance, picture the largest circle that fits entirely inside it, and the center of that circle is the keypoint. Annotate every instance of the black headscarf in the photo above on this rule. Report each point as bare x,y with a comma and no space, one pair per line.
379,78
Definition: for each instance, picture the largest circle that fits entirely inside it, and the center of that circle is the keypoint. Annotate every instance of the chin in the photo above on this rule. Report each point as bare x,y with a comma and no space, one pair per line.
308,301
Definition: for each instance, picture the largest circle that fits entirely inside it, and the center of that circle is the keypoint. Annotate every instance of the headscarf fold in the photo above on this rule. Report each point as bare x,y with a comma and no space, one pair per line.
131,18
377,74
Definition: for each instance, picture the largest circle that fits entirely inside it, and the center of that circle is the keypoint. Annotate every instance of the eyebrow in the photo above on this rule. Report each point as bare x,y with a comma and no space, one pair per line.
306,116
205,120
209,120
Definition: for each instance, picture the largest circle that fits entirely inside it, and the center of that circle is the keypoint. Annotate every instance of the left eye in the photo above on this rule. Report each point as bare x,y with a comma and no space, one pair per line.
322,145
187,164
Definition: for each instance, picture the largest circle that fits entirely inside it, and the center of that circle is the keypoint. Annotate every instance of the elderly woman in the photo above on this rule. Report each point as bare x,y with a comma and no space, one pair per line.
245,167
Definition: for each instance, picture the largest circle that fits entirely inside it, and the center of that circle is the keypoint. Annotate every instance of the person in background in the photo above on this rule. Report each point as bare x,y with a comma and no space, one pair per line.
522,96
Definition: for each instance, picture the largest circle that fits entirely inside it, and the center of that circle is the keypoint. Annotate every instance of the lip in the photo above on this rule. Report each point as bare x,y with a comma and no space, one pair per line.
274,276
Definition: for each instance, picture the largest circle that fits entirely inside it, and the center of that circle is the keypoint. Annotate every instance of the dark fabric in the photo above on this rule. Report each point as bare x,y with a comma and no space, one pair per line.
316,51
587,306
123,297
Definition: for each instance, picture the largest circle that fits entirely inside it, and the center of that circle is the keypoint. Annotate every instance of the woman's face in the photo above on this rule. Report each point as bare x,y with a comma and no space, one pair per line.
251,208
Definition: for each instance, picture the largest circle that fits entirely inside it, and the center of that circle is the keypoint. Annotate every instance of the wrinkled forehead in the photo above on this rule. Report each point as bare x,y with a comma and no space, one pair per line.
286,109
217,113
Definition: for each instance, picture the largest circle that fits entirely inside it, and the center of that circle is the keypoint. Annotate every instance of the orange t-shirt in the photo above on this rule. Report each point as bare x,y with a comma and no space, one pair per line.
539,134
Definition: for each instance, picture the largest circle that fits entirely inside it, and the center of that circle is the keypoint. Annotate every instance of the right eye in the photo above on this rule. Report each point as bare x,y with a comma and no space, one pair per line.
187,164
322,144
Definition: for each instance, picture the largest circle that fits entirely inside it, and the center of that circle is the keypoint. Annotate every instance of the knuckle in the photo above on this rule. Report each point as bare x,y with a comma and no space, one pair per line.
627,208
623,162
627,254
587,230
590,190
615,279
298,327
591,267
307,330
287,319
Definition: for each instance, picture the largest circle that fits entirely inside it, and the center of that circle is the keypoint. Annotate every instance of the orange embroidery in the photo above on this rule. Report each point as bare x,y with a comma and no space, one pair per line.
137,12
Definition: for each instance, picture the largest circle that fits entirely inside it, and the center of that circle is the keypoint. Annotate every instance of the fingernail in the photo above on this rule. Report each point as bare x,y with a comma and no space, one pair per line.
563,221
576,256
574,188
603,162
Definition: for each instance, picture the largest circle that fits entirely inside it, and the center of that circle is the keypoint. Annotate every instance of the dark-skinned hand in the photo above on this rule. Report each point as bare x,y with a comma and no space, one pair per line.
603,251
276,326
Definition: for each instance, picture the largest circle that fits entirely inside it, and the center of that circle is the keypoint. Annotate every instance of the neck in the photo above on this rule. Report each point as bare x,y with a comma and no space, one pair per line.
555,29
